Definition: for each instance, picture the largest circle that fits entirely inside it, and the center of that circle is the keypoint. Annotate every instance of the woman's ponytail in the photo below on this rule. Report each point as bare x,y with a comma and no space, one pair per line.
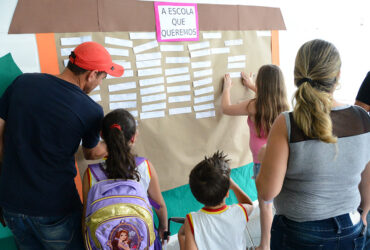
316,71
311,113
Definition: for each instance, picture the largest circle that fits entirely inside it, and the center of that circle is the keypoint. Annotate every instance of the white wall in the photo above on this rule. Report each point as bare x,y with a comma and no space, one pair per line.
23,47
344,23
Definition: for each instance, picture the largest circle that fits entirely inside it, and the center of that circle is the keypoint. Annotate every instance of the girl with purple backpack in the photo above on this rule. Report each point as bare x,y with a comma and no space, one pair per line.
122,187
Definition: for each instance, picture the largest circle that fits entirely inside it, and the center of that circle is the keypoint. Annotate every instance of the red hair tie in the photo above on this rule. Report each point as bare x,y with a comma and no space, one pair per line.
115,125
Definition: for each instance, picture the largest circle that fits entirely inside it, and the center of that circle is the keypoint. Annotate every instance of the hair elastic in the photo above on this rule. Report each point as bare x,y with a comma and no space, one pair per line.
115,125
314,84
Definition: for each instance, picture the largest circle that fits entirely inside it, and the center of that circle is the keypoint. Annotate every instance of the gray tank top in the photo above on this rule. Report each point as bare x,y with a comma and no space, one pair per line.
322,178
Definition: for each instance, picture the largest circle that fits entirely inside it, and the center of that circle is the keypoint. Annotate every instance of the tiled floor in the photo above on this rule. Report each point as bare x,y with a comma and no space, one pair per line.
253,227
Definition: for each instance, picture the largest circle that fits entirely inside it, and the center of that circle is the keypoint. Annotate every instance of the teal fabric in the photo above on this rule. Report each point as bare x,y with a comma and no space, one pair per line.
6,239
180,201
8,72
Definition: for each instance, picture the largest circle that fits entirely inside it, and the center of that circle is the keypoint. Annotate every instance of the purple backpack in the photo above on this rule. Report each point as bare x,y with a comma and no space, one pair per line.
118,213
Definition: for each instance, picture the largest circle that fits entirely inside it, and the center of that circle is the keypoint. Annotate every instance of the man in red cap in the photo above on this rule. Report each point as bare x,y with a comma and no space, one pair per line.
43,119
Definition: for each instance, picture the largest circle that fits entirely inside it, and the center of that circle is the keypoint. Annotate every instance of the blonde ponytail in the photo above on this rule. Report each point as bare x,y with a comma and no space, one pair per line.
311,113
316,71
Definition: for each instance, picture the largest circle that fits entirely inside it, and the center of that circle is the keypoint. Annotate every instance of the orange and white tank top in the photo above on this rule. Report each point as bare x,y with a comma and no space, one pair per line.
223,228
143,169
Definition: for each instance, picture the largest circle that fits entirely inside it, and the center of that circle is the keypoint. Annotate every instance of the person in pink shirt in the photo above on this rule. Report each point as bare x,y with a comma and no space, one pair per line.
269,102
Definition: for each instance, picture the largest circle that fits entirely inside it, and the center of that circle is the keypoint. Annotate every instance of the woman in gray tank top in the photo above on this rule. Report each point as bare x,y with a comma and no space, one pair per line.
316,164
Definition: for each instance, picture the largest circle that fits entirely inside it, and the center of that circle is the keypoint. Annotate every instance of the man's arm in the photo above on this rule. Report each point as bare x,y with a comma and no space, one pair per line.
363,105
95,153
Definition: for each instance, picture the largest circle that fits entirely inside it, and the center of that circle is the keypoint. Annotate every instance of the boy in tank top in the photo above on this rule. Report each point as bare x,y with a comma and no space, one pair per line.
216,225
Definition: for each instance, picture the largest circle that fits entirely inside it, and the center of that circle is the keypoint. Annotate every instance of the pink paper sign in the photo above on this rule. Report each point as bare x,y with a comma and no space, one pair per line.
176,21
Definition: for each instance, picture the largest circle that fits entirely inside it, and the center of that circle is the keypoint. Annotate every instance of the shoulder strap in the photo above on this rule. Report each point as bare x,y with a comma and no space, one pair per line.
139,160
98,172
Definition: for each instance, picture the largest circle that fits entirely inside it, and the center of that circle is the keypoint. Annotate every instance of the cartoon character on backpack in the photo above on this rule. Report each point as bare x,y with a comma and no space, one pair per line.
123,239
119,193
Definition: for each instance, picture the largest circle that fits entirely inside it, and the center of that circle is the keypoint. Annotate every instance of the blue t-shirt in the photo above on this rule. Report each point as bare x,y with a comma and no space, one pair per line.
45,120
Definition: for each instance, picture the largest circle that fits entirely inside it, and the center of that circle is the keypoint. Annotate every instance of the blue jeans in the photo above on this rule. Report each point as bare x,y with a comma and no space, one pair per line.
51,232
256,170
333,233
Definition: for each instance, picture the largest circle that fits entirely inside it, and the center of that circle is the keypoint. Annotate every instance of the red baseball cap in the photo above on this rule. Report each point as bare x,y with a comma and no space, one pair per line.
93,56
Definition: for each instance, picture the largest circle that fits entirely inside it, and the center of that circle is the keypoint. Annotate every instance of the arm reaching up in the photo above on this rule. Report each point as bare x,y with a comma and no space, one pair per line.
248,81
227,107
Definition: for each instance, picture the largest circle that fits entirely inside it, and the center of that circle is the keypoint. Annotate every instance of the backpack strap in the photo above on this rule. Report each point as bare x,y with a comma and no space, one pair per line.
139,160
98,172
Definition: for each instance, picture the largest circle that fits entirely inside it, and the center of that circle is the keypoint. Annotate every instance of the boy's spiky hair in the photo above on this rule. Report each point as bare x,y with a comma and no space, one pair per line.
210,179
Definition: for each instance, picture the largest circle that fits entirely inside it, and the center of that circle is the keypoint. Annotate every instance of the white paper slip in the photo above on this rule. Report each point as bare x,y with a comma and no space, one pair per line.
122,105
65,62
150,72
148,56
96,98
128,73
142,35
151,81
205,114
153,98
239,65
118,52
177,59
122,97
124,64
202,73
234,42
154,114
148,64
134,113
202,82
199,53
236,58
201,64
220,50
180,78
176,111
263,33
156,106
205,98
179,88
152,90
172,47
203,90
204,107
119,42
235,74
176,71
145,46
68,41
179,98
212,35
66,51
122,86
196,46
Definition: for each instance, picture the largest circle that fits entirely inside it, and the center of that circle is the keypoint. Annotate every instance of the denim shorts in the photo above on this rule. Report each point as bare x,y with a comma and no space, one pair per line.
49,232
333,233
256,170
